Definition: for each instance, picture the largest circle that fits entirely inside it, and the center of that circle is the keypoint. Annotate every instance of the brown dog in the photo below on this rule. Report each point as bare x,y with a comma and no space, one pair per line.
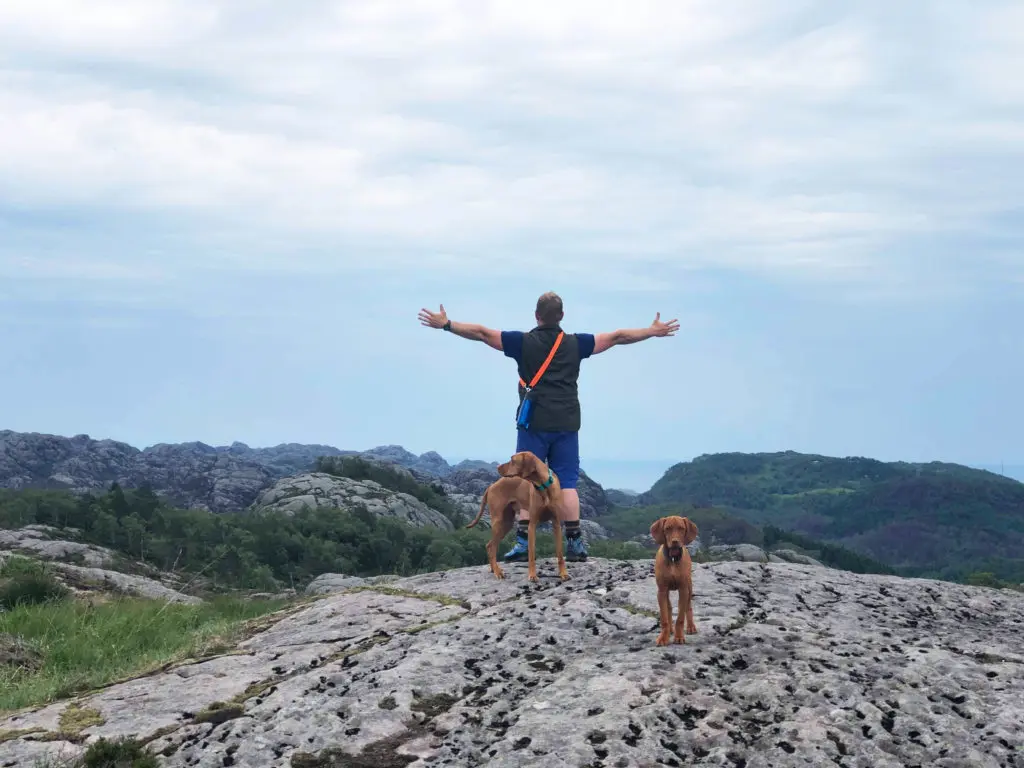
673,571
525,482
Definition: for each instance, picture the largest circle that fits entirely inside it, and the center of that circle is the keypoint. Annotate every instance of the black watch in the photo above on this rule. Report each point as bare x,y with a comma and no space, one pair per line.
447,326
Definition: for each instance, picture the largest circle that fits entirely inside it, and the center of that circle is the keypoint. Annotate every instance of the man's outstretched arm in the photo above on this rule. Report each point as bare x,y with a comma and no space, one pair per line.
471,331
603,341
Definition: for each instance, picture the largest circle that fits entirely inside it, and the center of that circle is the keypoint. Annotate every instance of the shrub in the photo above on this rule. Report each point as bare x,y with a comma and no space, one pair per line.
117,753
28,582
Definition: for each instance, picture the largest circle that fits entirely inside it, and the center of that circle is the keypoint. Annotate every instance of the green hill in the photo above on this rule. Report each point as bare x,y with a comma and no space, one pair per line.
934,519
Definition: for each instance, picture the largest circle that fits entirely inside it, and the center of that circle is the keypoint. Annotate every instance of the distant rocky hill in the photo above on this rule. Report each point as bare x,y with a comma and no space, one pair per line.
220,478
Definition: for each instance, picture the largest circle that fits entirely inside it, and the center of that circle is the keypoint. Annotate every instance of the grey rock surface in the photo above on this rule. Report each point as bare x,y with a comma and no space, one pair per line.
793,665
326,583
593,531
83,578
744,552
789,556
318,489
39,541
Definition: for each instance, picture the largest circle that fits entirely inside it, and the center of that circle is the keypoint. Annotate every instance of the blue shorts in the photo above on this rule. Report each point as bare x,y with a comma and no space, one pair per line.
561,450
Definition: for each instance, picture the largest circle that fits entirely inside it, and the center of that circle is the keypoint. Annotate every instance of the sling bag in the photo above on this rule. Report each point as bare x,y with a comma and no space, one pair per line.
526,406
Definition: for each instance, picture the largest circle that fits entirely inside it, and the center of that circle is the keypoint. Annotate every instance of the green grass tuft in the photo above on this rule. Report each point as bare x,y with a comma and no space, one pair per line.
120,753
86,646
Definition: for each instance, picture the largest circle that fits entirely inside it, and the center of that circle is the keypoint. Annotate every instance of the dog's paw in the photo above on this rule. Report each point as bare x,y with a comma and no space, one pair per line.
662,639
692,630
680,638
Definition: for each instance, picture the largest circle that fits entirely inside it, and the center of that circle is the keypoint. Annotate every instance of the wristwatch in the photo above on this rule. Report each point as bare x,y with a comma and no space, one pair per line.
447,326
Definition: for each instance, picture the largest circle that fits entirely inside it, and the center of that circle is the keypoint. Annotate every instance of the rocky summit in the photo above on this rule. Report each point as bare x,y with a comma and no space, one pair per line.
793,665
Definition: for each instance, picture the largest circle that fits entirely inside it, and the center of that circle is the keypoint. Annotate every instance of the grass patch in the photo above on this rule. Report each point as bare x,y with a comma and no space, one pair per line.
76,719
87,646
17,733
219,712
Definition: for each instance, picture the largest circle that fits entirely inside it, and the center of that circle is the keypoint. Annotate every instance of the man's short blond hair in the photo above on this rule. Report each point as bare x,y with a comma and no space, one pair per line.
549,308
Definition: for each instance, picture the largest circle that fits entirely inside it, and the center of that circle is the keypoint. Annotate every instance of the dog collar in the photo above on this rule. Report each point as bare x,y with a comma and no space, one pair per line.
547,483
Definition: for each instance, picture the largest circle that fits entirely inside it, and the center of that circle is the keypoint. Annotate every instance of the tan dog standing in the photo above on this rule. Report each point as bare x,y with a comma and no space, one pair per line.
505,497
546,506
673,570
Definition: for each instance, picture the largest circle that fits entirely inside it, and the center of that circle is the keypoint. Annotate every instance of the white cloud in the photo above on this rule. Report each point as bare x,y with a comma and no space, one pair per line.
798,139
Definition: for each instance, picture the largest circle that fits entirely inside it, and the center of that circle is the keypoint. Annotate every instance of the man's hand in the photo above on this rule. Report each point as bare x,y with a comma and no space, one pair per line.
604,341
488,336
433,319
659,328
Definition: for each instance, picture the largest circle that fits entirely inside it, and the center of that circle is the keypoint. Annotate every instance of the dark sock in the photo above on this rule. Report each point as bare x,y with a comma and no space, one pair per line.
572,529
523,531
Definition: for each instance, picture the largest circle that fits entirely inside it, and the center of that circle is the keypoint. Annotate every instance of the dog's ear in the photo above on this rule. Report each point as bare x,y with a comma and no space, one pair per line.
691,530
658,531
532,465
513,467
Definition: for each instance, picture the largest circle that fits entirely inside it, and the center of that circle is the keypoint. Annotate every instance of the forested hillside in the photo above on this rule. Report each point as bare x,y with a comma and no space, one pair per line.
933,519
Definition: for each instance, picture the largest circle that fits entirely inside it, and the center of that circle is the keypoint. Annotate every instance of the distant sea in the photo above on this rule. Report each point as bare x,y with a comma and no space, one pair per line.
627,475
635,475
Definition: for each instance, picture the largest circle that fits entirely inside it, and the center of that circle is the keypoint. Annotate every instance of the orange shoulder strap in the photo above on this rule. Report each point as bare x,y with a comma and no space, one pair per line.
543,367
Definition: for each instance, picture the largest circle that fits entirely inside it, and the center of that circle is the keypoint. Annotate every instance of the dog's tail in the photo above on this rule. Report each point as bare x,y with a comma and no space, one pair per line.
483,503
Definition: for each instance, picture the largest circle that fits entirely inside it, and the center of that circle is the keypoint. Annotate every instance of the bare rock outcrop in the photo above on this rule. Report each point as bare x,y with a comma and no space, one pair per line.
45,542
793,665
84,579
318,489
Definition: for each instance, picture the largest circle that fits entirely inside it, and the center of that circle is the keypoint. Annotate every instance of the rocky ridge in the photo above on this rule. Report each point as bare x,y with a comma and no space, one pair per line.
225,478
793,665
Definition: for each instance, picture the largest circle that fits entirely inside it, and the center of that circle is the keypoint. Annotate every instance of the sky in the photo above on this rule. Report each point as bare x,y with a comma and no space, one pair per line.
218,222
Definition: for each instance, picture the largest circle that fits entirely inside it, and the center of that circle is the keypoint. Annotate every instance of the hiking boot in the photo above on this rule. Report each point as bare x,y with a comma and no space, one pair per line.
575,550
520,552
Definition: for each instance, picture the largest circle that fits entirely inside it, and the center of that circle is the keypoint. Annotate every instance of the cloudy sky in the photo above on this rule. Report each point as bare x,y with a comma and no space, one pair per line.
218,222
